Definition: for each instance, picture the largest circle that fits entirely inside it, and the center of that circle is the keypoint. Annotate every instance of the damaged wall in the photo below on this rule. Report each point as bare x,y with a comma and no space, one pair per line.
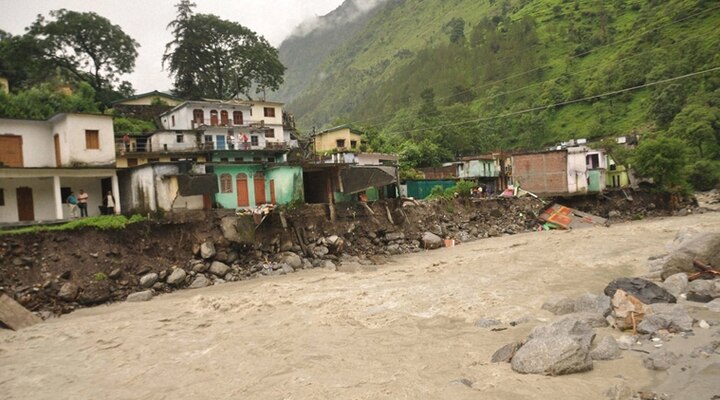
285,181
541,173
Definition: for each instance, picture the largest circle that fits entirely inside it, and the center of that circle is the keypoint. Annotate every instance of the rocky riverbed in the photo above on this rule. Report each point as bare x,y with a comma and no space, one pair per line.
422,325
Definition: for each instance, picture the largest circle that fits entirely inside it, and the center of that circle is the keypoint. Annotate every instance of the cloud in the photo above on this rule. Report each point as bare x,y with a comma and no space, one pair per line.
347,12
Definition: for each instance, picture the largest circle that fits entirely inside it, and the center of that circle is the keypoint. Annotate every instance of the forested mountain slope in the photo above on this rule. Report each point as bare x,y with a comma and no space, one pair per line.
436,78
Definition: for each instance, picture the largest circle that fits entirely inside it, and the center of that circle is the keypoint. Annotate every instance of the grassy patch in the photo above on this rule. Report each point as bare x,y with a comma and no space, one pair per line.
103,222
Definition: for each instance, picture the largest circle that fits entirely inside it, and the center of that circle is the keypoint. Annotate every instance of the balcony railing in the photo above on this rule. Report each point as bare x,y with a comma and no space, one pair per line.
197,123
122,147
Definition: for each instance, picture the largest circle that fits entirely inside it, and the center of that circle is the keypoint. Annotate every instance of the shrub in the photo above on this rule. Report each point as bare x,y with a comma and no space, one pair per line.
704,174
100,276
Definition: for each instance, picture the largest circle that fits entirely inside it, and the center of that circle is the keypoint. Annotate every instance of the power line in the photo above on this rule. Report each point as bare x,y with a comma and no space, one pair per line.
491,83
564,103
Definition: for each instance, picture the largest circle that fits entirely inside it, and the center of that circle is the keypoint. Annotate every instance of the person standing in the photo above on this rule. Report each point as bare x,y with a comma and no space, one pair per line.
109,203
72,202
82,203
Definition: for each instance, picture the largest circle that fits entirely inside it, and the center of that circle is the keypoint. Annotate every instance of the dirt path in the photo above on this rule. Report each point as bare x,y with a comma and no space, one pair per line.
401,331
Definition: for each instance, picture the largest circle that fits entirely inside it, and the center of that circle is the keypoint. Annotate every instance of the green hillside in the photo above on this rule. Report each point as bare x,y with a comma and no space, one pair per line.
436,78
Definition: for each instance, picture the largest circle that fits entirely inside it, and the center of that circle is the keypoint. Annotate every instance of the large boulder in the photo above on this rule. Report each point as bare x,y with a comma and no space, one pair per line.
671,317
584,303
177,277
703,291
605,349
714,306
689,245
238,229
199,282
660,360
68,291
642,289
560,348
95,293
219,269
628,311
207,250
292,260
145,295
148,280
430,240
676,284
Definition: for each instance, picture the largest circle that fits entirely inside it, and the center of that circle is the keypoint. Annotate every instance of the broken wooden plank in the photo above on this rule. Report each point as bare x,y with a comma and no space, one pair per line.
14,315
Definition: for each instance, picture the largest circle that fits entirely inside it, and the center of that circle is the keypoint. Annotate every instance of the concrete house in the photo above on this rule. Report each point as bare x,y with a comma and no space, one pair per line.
147,99
339,139
250,185
572,170
42,161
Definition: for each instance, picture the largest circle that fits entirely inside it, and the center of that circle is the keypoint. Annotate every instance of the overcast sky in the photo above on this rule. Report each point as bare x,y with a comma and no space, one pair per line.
146,20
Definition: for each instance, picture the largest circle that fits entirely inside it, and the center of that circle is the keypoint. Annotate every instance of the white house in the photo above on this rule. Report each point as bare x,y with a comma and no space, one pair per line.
231,124
43,161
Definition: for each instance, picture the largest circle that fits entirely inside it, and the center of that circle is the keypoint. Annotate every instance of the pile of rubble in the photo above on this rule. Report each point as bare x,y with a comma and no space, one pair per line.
642,316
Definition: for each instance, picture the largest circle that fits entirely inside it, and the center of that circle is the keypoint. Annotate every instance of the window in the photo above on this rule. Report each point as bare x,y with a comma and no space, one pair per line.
271,159
132,162
179,138
92,139
353,144
237,118
224,159
172,118
593,161
257,159
224,118
270,133
198,116
213,117
225,183
340,143
254,140
269,112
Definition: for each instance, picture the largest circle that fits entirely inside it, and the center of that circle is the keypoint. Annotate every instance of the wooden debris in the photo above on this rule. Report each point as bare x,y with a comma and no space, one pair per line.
706,271
15,316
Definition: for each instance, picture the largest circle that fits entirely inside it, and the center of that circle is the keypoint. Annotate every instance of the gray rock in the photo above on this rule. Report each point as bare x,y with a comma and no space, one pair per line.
487,322
207,250
431,241
676,284
625,342
506,353
620,391
689,245
332,240
306,264
606,349
148,280
584,303
200,267
560,348
158,286
707,350
218,268
660,360
287,269
702,290
614,214
320,251
68,291
327,264
97,292
673,317
177,277
292,259
115,273
393,249
714,305
200,282
595,320
552,356
390,236
145,295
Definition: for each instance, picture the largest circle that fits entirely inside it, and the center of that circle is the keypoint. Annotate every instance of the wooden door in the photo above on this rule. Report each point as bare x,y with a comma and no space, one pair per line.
224,118
26,210
207,202
11,154
243,199
58,162
213,117
272,191
259,182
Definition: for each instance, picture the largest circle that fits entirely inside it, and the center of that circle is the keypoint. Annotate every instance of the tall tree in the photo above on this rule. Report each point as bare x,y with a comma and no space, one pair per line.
212,57
87,45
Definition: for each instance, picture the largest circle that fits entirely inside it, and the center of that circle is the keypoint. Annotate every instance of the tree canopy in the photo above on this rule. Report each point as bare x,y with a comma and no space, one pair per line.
212,57
85,44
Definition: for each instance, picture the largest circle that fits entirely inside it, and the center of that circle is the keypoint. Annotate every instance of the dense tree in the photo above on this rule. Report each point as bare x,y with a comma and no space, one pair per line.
87,45
212,57
664,160
45,100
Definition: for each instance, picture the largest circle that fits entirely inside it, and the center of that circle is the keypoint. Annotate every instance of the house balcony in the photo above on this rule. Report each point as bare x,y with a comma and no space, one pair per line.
134,147
213,123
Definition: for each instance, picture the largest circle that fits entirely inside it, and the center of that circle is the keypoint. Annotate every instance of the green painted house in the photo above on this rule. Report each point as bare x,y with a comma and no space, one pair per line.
250,185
